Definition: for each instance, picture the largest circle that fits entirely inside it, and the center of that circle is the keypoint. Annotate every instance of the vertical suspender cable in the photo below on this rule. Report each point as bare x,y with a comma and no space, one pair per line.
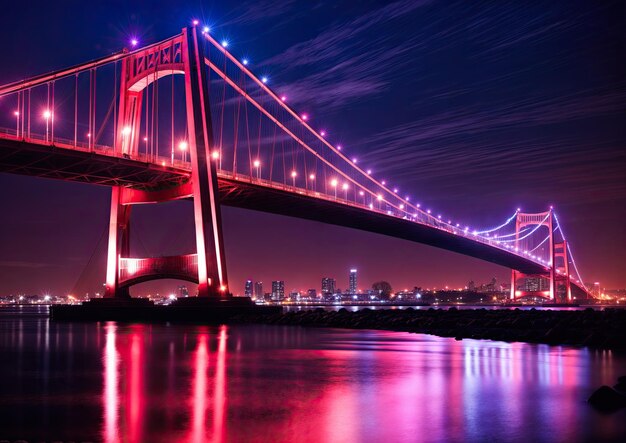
76,110
93,125
115,108
30,92
90,135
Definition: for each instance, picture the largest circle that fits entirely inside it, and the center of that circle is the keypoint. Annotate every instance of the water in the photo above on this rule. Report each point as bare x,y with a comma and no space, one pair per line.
164,383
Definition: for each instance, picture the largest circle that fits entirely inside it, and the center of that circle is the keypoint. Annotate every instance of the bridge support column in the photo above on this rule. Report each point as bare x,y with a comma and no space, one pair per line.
119,244
212,278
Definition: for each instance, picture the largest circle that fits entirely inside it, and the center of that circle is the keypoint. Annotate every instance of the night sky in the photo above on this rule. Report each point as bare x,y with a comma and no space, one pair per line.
474,108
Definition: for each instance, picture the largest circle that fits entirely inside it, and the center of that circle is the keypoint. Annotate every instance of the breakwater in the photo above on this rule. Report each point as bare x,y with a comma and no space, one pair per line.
598,329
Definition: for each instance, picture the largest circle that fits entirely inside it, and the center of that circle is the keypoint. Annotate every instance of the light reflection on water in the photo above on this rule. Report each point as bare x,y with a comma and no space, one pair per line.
132,383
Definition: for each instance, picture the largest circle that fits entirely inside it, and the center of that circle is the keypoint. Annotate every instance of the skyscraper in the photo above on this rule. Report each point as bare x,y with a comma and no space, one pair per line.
278,290
248,289
352,285
258,290
328,286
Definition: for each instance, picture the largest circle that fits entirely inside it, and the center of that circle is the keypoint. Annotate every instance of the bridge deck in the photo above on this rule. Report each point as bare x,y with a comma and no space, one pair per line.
100,165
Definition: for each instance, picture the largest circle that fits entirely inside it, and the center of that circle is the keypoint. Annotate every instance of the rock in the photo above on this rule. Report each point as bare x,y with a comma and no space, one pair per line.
607,399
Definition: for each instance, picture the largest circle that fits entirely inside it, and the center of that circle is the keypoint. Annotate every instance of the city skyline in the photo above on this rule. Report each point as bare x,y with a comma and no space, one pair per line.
48,217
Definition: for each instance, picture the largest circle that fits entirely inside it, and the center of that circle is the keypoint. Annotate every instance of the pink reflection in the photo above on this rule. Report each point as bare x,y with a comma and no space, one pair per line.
219,398
135,387
110,396
199,390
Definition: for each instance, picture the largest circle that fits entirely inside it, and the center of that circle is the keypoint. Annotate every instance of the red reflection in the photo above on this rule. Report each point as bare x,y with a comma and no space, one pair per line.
199,390
219,398
135,386
110,396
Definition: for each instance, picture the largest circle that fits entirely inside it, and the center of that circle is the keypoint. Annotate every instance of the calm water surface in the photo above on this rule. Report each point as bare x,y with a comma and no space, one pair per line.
164,383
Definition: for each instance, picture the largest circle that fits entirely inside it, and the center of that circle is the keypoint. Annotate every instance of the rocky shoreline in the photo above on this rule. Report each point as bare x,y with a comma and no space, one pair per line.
597,329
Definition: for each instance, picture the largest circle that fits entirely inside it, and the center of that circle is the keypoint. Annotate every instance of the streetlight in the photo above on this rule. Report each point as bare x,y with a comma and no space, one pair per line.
47,115
294,174
257,165
345,188
333,183
17,122
183,147
312,180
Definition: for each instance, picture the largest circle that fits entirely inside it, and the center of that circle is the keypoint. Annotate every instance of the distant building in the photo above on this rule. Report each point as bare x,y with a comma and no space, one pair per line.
258,290
471,286
278,290
248,289
183,291
328,286
311,294
535,284
352,282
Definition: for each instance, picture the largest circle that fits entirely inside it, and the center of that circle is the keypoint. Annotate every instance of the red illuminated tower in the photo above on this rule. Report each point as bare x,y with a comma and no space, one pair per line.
179,55
557,271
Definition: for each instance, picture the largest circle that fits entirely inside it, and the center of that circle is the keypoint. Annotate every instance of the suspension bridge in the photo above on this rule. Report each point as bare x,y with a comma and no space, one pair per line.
185,119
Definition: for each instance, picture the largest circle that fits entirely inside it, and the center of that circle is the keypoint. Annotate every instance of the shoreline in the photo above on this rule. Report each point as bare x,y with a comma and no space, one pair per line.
604,329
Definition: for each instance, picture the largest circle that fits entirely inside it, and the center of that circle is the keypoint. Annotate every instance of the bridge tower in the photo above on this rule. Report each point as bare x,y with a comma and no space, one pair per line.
557,272
183,54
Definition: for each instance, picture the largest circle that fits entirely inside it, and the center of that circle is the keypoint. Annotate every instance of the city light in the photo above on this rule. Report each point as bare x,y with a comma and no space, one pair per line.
322,133
294,174
333,182
206,29
345,186
195,22
126,130
311,176
215,155
134,42
283,98
47,114
304,117
264,79
183,145
225,43
245,62
256,163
